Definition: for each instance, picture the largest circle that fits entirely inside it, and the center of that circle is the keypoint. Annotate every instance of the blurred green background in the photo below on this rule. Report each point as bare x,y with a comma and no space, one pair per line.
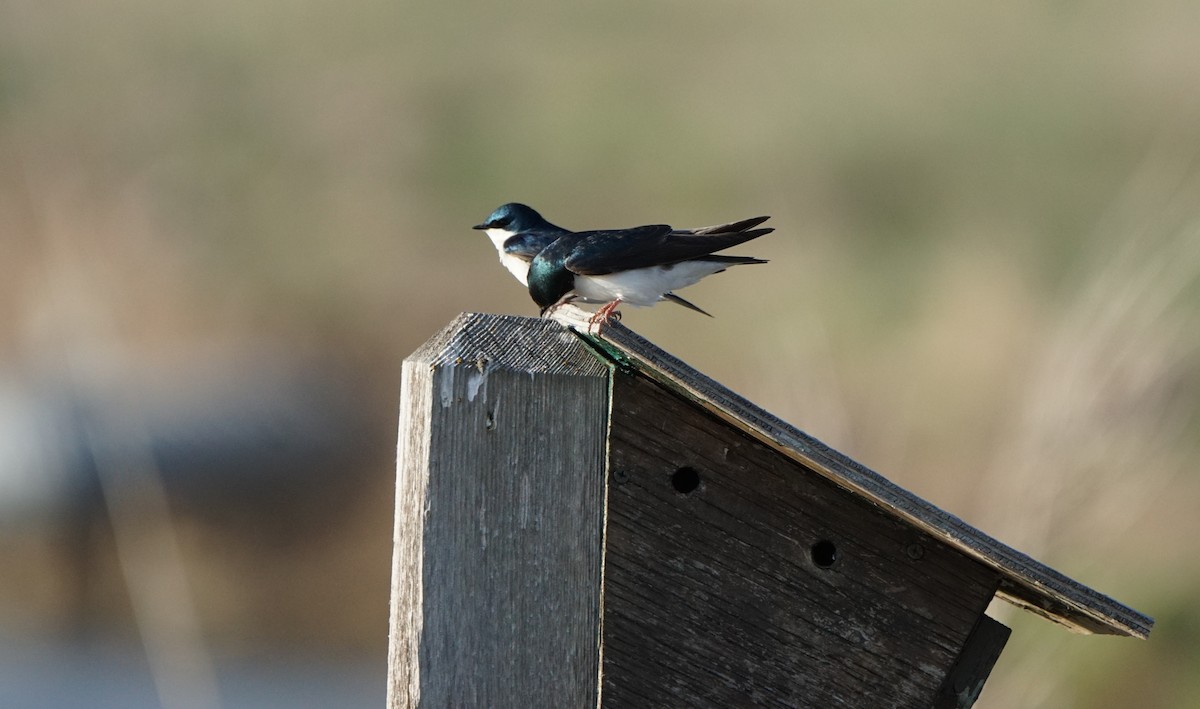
224,224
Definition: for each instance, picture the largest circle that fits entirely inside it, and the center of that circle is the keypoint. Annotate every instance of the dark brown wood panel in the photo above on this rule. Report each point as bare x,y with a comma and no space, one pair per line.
1027,582
716,598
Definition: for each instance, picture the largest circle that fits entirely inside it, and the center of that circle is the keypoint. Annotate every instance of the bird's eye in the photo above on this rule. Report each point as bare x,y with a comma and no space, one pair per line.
501,222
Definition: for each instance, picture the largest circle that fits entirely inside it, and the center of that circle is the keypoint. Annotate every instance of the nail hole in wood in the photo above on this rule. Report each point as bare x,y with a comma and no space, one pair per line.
824,554
685,480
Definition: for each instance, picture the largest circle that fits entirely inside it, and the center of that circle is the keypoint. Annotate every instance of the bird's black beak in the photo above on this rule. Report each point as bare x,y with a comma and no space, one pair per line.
480,226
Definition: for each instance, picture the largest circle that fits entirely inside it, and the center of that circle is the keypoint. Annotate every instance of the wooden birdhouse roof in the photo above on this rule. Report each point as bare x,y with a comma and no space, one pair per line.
1025,581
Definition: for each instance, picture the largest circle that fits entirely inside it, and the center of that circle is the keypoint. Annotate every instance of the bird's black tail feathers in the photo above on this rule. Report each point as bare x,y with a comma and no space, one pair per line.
730,260
689,305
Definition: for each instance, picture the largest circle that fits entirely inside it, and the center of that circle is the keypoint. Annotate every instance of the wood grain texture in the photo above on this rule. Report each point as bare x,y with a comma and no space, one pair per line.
715,597
1025,581
499,519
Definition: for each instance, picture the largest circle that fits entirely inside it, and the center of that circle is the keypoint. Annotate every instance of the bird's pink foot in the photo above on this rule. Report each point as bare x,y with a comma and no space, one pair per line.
604,315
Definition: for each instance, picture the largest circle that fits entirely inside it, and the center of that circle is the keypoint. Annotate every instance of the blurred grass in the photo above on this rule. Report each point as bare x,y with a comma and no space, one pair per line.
974,204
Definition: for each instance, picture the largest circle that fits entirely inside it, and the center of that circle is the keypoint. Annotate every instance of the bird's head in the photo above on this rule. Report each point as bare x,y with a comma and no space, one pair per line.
513,218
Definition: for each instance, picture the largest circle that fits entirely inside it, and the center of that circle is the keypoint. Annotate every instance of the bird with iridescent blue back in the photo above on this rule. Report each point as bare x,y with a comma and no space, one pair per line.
639,266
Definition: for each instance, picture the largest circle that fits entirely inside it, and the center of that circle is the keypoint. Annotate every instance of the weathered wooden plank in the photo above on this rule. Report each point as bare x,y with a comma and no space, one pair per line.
765,584
499,519
965,681
1026,582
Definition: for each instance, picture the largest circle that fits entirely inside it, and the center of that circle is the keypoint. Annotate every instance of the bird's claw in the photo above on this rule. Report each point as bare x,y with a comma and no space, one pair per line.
603,316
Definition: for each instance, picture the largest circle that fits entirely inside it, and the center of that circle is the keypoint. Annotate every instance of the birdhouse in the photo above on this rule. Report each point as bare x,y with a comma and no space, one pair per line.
587,521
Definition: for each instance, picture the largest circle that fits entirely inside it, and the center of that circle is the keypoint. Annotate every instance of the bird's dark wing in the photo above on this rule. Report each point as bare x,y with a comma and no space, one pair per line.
600,252
527,245
730,228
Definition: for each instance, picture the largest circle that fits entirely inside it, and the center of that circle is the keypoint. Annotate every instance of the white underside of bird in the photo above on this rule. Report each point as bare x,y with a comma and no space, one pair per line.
644,286
516,265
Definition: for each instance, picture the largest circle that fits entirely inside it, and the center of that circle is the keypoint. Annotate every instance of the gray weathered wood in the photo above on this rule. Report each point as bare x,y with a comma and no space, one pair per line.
1024,581
716,597
499,519
728,559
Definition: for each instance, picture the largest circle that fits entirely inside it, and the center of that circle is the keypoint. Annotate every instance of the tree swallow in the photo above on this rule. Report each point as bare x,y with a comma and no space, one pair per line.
639,266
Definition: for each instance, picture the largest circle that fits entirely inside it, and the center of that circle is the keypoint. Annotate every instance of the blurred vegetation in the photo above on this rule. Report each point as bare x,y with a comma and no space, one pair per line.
983,283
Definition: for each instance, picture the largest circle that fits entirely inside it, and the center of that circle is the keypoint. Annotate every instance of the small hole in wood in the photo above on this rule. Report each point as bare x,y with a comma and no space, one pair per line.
685,480
824,554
